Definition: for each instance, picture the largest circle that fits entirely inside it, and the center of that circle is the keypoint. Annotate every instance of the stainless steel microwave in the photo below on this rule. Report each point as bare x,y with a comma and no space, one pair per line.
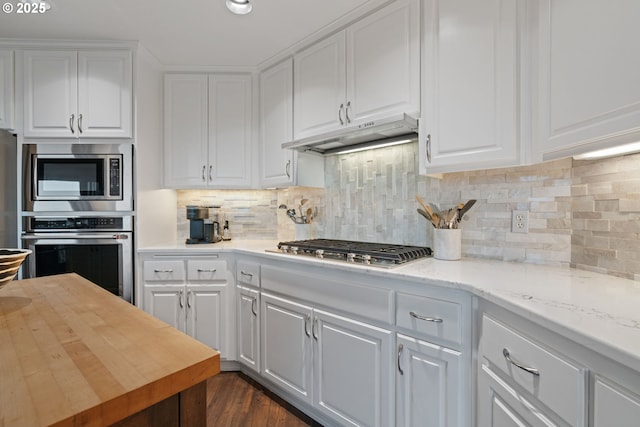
78,177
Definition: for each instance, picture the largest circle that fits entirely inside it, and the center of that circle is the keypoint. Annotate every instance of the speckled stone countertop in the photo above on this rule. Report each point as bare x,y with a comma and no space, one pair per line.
598,311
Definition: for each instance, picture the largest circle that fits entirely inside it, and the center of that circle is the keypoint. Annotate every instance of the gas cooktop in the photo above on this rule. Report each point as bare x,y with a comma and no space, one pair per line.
366,253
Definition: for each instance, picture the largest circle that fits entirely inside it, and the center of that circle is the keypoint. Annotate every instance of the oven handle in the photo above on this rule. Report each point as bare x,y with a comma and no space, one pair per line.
116,236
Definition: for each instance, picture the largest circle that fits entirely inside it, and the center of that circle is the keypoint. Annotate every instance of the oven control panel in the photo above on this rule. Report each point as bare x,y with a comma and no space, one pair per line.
77,223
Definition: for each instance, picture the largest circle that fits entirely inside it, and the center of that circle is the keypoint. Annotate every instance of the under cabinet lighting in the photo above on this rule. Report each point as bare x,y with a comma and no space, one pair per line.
369,146
239,7
609,152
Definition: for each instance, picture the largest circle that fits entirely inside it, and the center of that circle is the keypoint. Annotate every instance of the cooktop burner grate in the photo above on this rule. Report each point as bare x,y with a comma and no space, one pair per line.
357,252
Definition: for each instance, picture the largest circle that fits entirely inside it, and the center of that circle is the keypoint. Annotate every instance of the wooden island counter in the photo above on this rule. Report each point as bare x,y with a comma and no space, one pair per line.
72,354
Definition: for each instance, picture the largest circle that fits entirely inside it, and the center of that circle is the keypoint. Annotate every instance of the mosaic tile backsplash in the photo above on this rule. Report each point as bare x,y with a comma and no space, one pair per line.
586,214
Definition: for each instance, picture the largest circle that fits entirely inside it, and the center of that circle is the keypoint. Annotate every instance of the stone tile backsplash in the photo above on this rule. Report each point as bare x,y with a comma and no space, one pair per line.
583,213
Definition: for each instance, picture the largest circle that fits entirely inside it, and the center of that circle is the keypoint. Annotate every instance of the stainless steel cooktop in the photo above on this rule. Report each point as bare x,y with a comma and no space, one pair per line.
365,253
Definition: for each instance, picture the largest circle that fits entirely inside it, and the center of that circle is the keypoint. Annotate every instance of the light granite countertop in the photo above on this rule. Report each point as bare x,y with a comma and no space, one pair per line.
598,311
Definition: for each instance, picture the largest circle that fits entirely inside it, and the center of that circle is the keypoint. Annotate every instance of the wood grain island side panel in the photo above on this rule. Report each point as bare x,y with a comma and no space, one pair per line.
73,354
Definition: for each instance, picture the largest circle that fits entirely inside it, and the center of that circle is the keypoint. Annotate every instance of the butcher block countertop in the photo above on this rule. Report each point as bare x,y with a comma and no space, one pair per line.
73,354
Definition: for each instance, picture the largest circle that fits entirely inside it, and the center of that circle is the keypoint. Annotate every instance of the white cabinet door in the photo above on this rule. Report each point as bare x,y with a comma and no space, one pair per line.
368,71
470,78
286,344
319,87
276,127
499,405
353,372
105,94
185,130
230,141
166,302
6,89
50,93
248,328
589,91
429,385
614,406
206,315
383,63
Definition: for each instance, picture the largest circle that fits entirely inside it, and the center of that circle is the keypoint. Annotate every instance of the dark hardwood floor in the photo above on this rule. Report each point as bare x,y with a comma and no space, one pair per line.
236,400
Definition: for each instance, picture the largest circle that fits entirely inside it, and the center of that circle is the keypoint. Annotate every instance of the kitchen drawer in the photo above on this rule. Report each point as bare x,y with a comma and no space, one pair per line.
560,383
164,271
248,273
429,317
206,270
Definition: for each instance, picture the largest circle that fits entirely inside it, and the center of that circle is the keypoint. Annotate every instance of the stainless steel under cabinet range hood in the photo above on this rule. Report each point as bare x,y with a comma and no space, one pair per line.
389,131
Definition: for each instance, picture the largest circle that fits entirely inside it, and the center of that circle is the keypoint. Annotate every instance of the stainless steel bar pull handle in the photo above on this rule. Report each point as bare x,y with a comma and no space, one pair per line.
340,114
71,119
425,318
168,270
207,270
204,169
346,112
313,329
400,348
287,169
254,307
514,362
210,173
429,148
180,299
249,275
80,123
189,299
307,320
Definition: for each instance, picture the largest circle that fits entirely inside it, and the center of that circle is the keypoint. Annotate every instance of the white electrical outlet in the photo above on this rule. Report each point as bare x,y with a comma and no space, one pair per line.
519,221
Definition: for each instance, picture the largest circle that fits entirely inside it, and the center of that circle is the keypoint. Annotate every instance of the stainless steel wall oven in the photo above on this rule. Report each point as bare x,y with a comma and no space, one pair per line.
99,248
77,177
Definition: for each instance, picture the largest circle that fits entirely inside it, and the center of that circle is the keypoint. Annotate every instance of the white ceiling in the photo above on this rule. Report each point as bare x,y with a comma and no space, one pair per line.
184,32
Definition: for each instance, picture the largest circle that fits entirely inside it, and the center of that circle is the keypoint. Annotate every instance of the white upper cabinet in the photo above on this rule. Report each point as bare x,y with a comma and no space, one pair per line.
589,68
6,89
319,87
470,80
71,94
276,115
207,130
368,71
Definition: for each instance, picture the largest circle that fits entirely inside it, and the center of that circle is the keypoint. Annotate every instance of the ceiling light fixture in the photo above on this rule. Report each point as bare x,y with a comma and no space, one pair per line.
239,7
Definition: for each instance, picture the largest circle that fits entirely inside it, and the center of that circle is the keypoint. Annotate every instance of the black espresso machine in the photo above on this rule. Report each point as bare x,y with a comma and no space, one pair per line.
203,224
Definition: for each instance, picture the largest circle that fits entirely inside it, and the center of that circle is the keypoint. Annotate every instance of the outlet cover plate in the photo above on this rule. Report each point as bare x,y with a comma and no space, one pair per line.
519,221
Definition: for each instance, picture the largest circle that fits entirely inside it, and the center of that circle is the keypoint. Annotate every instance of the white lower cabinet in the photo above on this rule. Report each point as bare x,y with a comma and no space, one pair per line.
339,365
428,392
193,297
248,327
613,405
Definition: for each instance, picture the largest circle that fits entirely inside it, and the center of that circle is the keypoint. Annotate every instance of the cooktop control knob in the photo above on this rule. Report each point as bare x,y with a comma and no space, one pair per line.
366,259
319,253
351,257
284,249
294,250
